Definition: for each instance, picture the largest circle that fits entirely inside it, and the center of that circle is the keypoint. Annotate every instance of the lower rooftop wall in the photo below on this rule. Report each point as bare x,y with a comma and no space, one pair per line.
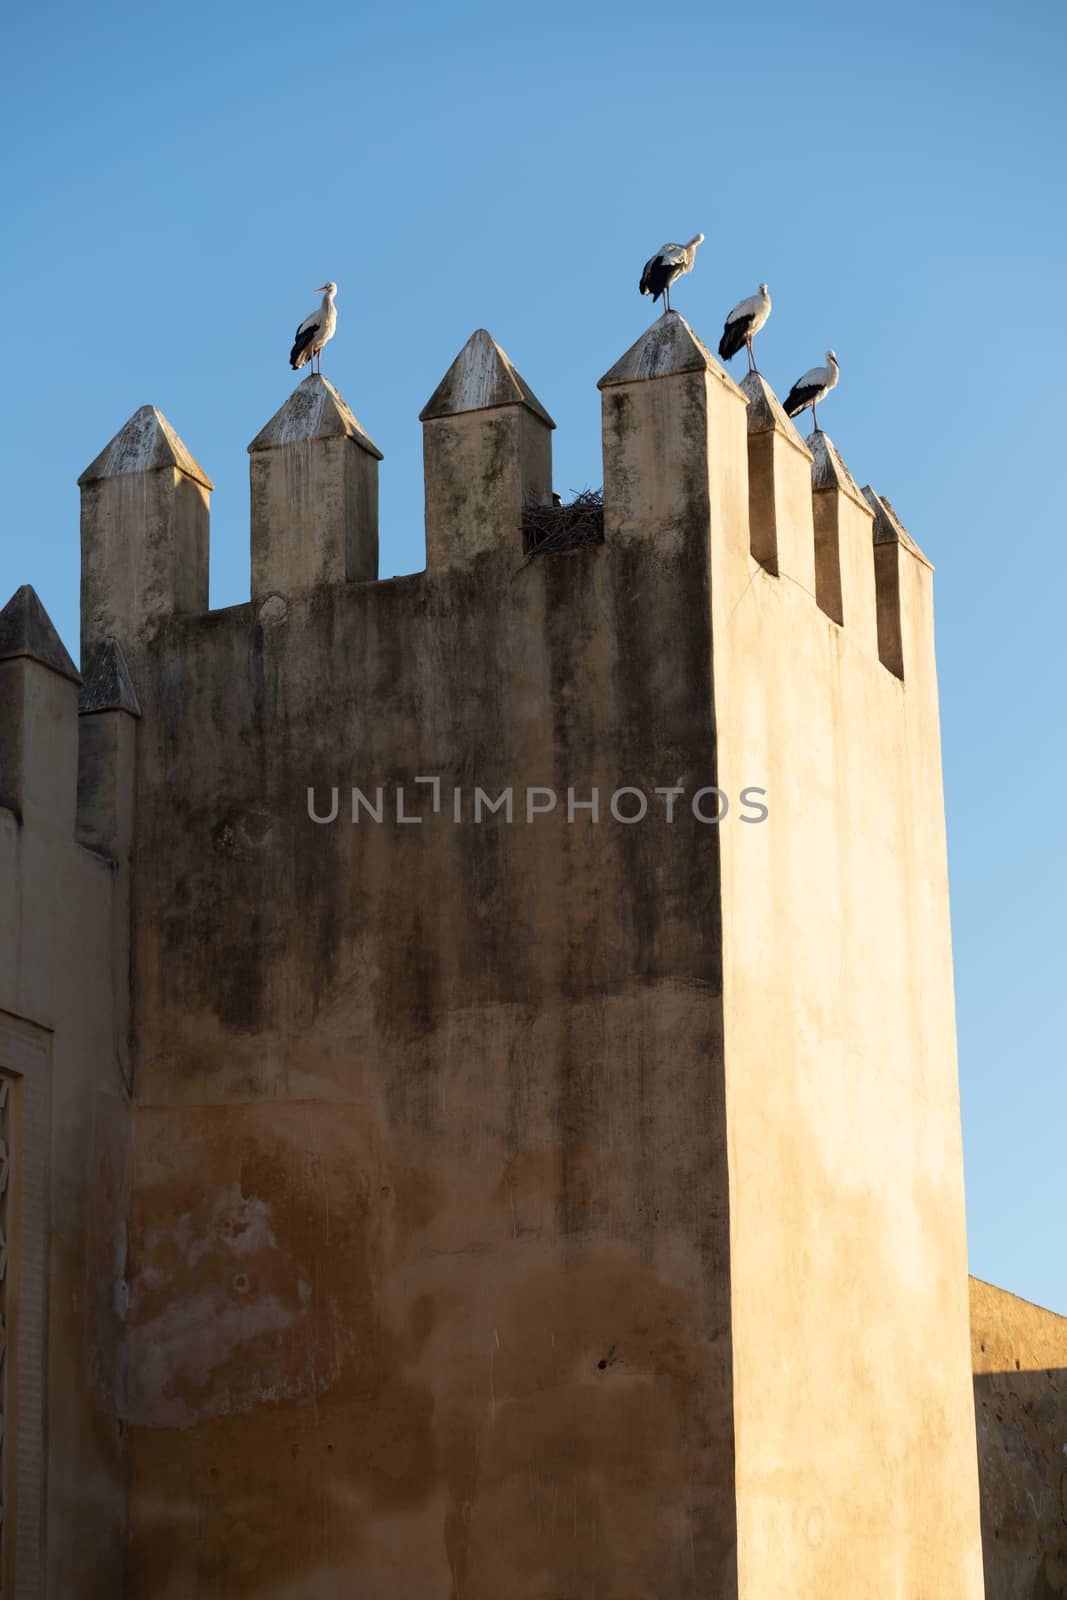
1019,1352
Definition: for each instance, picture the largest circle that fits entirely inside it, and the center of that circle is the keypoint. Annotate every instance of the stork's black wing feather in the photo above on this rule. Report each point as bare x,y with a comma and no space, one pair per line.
799,396
305,337
658,275
734,335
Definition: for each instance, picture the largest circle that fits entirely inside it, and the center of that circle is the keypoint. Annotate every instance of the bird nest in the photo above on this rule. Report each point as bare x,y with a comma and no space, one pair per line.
548,528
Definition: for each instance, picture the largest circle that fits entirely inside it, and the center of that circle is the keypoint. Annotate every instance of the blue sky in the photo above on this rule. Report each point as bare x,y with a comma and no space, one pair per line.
178,180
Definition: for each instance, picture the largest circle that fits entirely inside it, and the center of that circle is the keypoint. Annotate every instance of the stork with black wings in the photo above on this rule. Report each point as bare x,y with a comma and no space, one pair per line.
814,386
315,330
670,261
743,323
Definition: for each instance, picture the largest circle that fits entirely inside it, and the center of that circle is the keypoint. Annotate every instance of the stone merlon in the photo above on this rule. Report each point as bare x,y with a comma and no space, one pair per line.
314,483
888,528
108,685
828,471
765,411
314,410
145,515
480,378
486,453
844,554
26,630
666,349
146,444
779,487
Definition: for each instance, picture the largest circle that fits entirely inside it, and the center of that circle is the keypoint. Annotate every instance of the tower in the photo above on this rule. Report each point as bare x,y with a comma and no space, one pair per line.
544,1152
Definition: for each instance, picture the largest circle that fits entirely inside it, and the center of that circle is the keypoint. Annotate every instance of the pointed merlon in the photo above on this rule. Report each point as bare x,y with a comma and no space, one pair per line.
108,685
26,630
480,378
314,410
666,349
828,471
765,410
146,444
888,528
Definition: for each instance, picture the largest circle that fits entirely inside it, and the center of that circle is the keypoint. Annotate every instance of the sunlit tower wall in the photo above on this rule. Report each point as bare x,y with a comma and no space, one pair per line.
546,1205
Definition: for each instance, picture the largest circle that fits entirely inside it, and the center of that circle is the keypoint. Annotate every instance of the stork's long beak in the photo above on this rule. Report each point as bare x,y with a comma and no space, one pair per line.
322,288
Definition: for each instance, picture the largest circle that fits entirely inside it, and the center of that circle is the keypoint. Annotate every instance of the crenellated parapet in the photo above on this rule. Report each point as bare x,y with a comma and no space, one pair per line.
680,440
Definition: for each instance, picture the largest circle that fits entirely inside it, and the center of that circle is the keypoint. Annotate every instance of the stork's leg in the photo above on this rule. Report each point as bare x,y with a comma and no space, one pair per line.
667,300
814,419
751,358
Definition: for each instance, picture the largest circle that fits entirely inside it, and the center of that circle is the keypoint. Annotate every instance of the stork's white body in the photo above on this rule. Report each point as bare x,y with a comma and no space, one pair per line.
755,311
677,255
821,379
323,321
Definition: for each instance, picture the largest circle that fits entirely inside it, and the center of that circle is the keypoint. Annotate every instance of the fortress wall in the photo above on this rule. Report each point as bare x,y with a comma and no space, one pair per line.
1019,1352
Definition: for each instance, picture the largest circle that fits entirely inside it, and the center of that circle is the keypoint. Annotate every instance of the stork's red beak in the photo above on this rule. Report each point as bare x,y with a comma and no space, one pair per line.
322,288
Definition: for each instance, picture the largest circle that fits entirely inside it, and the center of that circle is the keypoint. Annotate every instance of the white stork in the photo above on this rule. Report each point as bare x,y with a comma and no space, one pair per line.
669,262
813,387
314,331
743,324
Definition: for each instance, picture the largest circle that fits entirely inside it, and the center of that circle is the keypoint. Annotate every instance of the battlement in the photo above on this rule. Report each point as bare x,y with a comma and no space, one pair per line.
693,464
676,428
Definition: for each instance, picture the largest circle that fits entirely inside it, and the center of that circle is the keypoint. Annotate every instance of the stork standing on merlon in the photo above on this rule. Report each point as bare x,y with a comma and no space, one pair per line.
670,261
743,324
315,330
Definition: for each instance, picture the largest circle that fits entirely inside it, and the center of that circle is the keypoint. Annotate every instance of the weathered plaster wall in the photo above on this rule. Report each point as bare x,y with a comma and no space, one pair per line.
429,1240
855,1440
63,1040
1019,1352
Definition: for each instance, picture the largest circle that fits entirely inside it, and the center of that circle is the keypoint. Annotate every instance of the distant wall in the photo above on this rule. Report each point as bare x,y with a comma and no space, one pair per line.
64,1132
1019,1352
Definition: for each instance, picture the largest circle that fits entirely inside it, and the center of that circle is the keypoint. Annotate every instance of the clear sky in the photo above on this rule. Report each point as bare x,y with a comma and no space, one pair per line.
179,179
